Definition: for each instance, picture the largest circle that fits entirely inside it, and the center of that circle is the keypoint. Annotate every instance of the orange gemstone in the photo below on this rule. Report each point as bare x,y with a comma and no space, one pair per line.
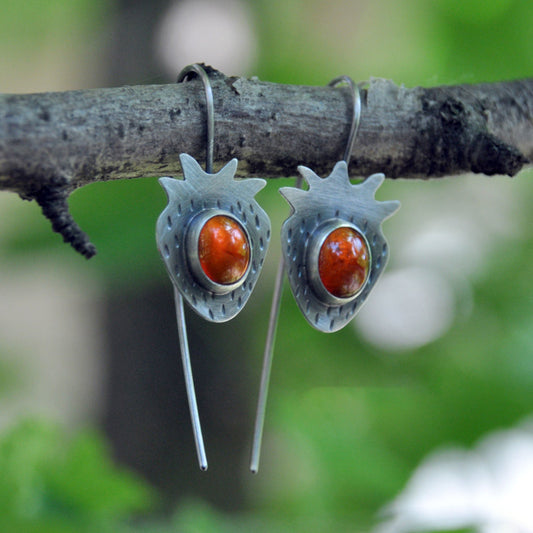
223,250
343,262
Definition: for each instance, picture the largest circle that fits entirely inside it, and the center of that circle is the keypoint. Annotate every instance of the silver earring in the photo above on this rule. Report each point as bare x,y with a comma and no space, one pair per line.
333,251
213,237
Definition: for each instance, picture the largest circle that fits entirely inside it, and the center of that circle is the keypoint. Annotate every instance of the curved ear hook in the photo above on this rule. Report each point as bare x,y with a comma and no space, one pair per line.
356,117
278,288
197,69
178,298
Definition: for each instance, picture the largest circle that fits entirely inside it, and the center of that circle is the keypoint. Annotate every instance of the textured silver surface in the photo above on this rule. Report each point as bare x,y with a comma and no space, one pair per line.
334,199
220,193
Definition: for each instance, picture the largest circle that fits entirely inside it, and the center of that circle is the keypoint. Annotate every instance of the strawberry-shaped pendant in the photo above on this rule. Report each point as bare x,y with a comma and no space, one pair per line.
333,245
213,237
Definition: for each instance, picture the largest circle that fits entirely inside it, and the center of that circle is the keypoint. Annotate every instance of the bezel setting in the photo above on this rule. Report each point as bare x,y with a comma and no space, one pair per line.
196,226
328,203
191,202
314,246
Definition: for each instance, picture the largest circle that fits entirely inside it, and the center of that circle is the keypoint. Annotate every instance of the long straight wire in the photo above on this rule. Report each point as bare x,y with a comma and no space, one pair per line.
180,314
278,289
267,361
267,366
189,382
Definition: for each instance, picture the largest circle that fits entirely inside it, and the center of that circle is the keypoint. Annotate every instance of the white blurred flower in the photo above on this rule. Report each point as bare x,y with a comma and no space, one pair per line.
408,308
440,242
219,33
489,489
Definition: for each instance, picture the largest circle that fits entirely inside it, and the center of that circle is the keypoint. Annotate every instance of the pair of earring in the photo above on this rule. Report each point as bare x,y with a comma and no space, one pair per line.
213,237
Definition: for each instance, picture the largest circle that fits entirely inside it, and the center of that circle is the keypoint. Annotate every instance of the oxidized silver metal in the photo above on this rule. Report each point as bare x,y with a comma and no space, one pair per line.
327,203
191,202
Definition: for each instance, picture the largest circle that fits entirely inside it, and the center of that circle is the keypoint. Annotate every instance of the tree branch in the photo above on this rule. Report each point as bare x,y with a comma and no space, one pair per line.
53,142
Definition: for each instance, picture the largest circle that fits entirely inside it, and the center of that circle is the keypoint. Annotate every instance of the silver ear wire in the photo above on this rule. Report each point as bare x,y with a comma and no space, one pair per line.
356,117
278,290
189,382
178,298
267,361
213,237
210,110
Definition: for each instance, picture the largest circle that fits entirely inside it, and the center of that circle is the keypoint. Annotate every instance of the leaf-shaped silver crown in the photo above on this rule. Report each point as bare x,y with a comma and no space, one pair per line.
332,202
202,193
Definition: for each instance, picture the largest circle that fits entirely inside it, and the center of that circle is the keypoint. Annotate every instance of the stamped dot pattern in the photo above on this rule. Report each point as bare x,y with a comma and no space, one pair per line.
187,198
326,316
332,199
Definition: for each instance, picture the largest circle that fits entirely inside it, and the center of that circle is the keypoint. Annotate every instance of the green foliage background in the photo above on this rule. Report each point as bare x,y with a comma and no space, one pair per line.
52,482
347,424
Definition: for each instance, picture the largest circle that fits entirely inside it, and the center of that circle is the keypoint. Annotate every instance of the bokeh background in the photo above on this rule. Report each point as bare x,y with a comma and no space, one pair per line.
416,417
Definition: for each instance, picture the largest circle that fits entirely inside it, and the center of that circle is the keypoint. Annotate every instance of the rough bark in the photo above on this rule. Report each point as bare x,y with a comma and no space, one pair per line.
52,143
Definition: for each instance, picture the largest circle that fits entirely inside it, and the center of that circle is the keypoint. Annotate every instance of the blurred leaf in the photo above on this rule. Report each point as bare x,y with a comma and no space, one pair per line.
89,482
51,483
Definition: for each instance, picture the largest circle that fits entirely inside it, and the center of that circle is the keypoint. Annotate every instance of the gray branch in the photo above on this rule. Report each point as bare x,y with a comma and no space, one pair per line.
52,143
